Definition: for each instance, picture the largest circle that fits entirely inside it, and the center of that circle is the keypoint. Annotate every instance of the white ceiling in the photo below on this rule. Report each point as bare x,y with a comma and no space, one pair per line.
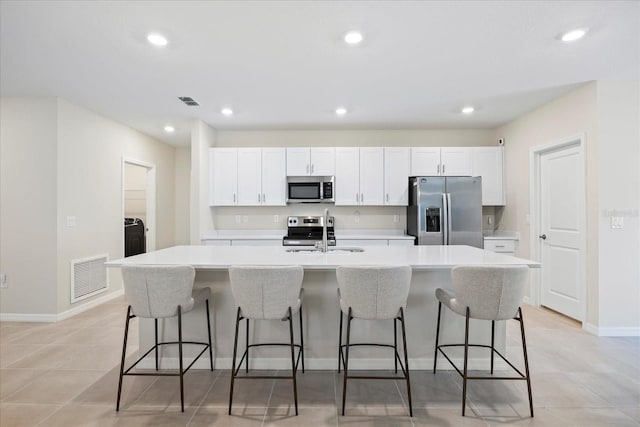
283,65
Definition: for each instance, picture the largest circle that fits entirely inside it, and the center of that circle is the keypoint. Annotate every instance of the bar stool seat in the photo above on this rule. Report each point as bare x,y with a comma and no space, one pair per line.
488,293
159,292
267,293
373,293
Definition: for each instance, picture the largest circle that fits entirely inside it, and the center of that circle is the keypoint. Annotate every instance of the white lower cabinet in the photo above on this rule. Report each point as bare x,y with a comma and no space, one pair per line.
503,246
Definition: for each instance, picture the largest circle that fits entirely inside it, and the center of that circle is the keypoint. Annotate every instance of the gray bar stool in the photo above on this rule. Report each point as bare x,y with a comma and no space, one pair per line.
487,293
267,293
373,293
158,292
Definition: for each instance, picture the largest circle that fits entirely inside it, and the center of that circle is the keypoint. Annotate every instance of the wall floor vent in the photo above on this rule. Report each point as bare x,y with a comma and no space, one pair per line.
88,277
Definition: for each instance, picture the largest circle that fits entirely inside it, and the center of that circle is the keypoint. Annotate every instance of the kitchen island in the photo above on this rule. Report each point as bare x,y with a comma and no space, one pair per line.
431,266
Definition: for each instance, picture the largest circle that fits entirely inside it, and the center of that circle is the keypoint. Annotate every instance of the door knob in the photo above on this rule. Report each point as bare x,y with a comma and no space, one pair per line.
543,237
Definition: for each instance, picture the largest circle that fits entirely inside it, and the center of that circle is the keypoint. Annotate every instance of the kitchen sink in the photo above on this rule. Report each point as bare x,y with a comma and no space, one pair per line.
333,249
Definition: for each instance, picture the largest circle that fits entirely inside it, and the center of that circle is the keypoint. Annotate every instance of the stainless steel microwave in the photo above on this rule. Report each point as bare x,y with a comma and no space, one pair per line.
310,189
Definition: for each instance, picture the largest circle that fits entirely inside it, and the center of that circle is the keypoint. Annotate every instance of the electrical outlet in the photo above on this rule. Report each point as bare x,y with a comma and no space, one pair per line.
276,218
396,218
71,221
356,217
3,281
238,219
245,219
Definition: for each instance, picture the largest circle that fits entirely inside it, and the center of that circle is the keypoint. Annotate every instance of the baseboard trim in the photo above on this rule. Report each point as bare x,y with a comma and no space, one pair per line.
50,318
611,332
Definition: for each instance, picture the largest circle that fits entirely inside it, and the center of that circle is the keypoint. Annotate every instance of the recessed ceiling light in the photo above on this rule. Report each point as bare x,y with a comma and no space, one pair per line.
468,110
227,111
157,39
169,129
353,37
574,35
341,111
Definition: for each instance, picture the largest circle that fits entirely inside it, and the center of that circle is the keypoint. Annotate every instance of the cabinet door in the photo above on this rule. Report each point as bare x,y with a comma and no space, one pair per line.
298,161
425,161
249,177
487,163
323,161
222,176
455,161
347,191
371,176
396,176
274,179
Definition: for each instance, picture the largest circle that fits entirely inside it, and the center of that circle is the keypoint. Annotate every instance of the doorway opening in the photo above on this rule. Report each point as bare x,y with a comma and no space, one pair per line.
138,207
558,226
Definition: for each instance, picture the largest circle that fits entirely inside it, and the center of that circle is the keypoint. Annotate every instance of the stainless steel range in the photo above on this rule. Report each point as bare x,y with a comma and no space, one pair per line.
307,231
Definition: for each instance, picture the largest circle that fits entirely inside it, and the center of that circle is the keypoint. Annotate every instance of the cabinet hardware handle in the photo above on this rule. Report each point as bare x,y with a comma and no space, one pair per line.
307,167
499,246
443,168
312,168
438,170
356,197
258,197
387,197
263,198
234,198
361,197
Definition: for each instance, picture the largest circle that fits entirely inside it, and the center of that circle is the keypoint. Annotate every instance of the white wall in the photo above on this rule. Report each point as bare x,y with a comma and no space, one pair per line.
365,217
182,181
60,160
203,137
618,189
28,193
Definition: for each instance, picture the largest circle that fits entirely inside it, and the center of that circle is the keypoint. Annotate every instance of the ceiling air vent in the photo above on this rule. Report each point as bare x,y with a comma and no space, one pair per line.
188,100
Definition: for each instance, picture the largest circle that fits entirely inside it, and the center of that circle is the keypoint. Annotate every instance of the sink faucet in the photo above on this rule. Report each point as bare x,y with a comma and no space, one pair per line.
324,246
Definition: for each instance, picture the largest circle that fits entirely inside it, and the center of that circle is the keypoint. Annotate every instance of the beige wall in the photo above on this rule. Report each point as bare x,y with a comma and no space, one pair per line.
606,113
182,182
352,217
60,160
28,193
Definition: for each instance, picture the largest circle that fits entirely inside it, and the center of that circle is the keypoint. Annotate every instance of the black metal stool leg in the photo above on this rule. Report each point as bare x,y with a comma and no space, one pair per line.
346,362
340,343
435,354
493,334
466,358
395,344
301,339
406,360
293,362
155,324
124,354
209,334
180,356
233,361
526,360
246,365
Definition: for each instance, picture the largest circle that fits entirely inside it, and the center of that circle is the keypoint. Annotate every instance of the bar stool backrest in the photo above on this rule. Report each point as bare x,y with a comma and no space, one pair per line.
373,292
490,292
266,292
156,291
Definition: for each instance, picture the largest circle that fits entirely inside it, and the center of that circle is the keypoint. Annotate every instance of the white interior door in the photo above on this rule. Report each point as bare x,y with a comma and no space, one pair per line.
561,214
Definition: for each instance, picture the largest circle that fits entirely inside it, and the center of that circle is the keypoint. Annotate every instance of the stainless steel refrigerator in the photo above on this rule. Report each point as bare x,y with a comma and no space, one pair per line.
445,210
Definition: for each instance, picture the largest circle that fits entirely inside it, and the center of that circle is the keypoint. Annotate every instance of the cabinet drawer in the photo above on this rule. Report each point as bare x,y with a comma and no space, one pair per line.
498,245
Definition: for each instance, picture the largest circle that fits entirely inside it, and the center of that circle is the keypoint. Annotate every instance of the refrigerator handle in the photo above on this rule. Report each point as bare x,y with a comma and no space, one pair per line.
448,217
444,219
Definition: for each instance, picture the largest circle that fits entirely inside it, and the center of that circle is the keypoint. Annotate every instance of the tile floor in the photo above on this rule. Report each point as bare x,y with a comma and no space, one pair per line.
66,374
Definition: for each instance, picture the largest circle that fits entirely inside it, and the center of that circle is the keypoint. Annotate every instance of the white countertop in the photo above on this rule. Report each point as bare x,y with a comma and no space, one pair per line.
418,257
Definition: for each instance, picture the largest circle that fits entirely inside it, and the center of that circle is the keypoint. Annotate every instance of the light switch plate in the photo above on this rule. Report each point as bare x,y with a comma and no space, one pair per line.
617,222
3,281
396,218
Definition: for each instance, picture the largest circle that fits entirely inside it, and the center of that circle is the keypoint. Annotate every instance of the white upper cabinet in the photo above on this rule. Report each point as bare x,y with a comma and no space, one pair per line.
359,176
314,161
222,176
488,163
455,161
247,176
441,161
425,161
274,180
396,176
